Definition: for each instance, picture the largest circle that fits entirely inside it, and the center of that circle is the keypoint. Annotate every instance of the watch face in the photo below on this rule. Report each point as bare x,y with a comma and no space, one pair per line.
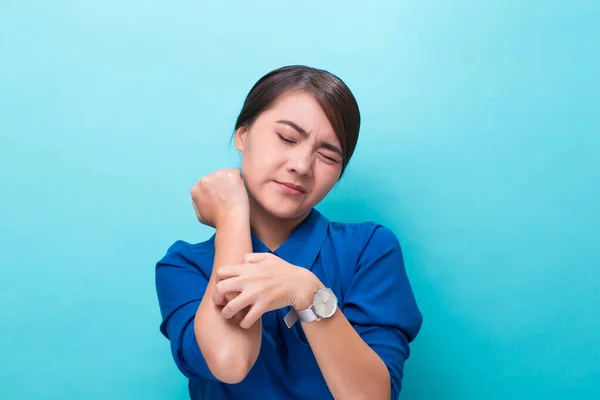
325,303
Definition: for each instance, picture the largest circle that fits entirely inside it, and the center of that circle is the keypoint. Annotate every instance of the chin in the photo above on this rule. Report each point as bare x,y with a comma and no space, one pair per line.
284,210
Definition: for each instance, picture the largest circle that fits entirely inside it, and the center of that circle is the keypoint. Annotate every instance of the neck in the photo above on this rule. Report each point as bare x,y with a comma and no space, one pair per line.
271,230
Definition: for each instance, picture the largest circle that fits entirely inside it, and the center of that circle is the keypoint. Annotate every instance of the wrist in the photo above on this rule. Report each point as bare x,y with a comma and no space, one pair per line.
232,241
233,220
305,289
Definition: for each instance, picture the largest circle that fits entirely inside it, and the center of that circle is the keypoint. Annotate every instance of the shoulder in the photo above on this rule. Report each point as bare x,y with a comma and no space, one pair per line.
182,254
372,249
363,236
379,290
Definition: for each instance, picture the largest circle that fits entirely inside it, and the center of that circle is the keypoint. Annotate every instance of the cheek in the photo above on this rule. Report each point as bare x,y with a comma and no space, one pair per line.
261,167
268,162
324,181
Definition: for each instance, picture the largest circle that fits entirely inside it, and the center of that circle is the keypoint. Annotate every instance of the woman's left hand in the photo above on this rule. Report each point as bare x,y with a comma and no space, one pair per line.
265,282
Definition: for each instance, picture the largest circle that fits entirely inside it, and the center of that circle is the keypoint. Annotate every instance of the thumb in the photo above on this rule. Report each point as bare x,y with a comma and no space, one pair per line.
253,258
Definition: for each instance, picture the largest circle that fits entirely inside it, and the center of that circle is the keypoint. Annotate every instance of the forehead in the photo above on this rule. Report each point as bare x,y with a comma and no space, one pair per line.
302,109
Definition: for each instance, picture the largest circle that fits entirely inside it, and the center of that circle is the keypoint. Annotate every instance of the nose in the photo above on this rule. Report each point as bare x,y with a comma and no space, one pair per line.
300,161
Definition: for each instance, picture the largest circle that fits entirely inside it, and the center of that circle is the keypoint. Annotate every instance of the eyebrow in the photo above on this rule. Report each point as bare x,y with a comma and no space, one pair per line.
303,132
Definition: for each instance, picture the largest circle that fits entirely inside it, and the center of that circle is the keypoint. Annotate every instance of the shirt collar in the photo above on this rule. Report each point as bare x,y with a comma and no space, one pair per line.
303,245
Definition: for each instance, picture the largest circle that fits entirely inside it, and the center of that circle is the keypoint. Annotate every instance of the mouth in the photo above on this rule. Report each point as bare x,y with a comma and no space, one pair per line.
291,188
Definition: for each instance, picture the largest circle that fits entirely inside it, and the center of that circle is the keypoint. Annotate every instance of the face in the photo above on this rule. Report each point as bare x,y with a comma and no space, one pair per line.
291,157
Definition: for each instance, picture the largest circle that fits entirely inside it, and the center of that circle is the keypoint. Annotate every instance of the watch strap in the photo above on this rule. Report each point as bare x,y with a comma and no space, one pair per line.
308,315
293,316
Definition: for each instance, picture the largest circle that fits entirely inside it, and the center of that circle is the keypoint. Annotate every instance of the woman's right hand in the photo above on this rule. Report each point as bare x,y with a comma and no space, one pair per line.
220,197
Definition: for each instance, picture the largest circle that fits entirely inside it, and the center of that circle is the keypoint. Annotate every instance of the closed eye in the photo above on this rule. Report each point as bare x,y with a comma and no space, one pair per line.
328,158
285,140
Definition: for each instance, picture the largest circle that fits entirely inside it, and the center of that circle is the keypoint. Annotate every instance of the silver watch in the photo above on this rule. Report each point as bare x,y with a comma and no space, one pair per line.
324,306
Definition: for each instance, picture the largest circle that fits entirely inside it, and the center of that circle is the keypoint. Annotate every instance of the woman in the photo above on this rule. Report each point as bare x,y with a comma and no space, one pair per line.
281,303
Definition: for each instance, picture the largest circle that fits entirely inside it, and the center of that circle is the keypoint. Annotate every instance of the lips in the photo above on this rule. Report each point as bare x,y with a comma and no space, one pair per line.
293,186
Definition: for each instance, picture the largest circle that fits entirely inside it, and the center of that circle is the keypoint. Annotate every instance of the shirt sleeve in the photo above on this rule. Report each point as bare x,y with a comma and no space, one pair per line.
380,303
180,286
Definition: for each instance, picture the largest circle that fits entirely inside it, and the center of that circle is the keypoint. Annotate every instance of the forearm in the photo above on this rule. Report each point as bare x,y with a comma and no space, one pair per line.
229,350
352,370
350,367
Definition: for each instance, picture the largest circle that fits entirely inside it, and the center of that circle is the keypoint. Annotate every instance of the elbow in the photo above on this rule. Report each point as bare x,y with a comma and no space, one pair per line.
230,355
229,367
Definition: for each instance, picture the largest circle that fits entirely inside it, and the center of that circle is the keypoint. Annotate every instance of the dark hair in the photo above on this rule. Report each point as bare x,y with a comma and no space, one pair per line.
335,98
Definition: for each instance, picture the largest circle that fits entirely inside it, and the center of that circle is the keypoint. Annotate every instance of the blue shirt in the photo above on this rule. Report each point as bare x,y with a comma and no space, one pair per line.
363,265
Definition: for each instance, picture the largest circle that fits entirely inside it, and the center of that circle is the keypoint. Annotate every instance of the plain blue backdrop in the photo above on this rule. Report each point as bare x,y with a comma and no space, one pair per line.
480,148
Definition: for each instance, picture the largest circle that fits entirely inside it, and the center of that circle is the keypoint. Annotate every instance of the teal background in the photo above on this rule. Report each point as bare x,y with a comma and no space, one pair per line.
480,148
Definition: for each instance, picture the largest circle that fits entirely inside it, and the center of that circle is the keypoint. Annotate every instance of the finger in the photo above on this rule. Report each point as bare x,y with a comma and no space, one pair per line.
236,305
256,311
222,299
228,271
218,298
235,284
252,258
229,297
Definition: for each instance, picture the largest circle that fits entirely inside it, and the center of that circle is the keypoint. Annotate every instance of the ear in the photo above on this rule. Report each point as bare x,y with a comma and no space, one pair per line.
240,137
